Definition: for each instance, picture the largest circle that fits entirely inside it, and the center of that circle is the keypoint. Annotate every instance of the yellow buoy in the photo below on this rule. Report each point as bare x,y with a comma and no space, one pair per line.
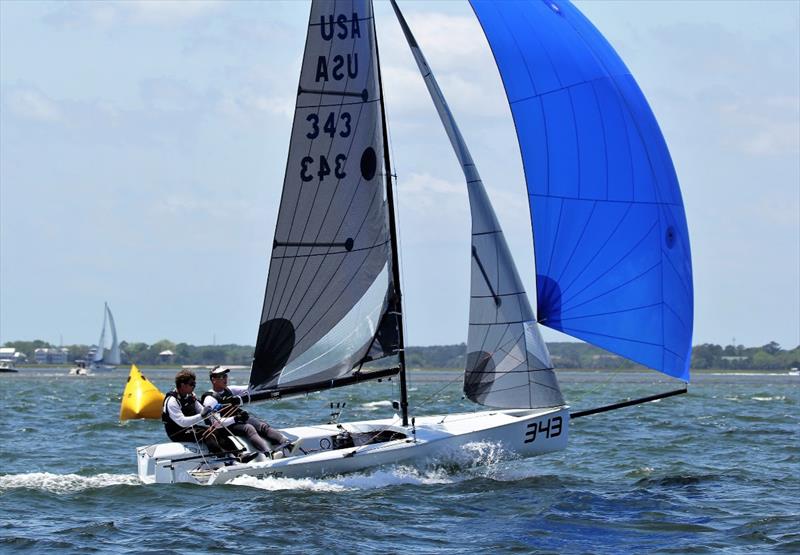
141,399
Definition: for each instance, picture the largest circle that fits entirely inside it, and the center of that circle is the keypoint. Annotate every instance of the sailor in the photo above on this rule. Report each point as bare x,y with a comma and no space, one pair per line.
182,414
261,435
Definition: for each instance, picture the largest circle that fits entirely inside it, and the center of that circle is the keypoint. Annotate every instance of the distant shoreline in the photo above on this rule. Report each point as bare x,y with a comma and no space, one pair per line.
143,367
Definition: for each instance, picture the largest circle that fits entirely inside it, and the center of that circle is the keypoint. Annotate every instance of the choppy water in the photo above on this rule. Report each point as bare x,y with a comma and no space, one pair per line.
712,471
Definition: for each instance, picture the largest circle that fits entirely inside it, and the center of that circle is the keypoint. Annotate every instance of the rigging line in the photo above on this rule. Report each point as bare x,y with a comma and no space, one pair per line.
428,399
602,385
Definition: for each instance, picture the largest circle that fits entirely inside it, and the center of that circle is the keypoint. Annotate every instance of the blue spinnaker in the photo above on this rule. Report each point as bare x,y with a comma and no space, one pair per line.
613,263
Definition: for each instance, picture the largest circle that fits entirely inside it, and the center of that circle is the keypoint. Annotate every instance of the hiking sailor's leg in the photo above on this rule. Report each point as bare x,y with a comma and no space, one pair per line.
248,431
267,431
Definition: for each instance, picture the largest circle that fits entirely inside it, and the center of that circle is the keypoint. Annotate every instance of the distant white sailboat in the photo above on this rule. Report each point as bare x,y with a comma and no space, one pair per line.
101,359
612,251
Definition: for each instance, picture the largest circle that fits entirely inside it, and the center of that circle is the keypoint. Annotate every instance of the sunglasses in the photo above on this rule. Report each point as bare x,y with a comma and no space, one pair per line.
222,377
190,383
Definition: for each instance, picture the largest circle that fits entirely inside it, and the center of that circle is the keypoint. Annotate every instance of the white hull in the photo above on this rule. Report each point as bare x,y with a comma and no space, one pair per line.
319,452
6,366
83,371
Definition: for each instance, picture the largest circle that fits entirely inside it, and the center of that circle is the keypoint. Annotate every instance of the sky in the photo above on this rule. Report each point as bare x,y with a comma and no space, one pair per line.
143,146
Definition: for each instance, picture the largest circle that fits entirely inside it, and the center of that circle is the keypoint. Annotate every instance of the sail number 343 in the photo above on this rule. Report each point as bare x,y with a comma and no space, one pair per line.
321,167
552,428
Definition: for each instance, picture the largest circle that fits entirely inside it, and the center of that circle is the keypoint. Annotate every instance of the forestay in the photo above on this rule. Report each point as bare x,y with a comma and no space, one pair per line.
612,251
327,303
508,365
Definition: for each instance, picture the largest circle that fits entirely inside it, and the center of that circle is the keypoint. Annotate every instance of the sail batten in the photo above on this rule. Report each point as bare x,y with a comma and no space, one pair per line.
613,261
330,284
504,347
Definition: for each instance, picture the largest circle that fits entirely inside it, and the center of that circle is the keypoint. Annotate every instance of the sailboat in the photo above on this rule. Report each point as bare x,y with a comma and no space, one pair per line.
612,251
101,359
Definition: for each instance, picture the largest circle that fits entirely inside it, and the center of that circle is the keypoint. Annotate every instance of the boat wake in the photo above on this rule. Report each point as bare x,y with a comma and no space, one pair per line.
378,479
457,466
64,483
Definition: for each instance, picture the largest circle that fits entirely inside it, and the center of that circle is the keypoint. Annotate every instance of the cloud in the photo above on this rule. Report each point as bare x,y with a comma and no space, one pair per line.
433,203
107,15
459,56
30,103
243,103
764,126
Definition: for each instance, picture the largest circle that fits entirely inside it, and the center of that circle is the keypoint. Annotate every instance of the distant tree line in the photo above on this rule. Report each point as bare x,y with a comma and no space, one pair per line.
565,355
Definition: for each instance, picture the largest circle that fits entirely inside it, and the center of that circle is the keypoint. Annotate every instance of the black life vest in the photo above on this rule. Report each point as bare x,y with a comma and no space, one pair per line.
224,397
188,408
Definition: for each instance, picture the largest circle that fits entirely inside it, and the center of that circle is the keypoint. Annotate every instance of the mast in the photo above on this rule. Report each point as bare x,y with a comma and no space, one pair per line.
396,301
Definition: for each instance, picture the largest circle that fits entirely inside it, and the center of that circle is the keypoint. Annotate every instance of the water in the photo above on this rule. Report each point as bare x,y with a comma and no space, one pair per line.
709,472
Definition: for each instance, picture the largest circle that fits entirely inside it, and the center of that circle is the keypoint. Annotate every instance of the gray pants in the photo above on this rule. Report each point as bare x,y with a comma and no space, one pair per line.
259,433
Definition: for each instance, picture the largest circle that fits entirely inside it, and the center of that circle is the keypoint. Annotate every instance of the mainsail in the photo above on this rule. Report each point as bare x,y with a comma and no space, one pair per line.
99,356
113,353
508,364
330,303
611,243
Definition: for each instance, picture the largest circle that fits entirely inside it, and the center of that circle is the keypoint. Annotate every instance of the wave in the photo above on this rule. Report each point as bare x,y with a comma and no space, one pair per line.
358,481
64,483
678,480
376,405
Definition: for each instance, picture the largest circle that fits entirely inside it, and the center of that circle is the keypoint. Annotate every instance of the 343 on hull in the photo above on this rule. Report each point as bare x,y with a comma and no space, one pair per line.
334,449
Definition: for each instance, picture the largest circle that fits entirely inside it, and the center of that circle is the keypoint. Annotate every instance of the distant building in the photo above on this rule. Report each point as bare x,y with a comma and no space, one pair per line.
51,356
605,357
11,354
734,359
166,356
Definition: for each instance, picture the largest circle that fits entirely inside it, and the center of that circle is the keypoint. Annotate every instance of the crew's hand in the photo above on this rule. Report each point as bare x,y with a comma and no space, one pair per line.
207,411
